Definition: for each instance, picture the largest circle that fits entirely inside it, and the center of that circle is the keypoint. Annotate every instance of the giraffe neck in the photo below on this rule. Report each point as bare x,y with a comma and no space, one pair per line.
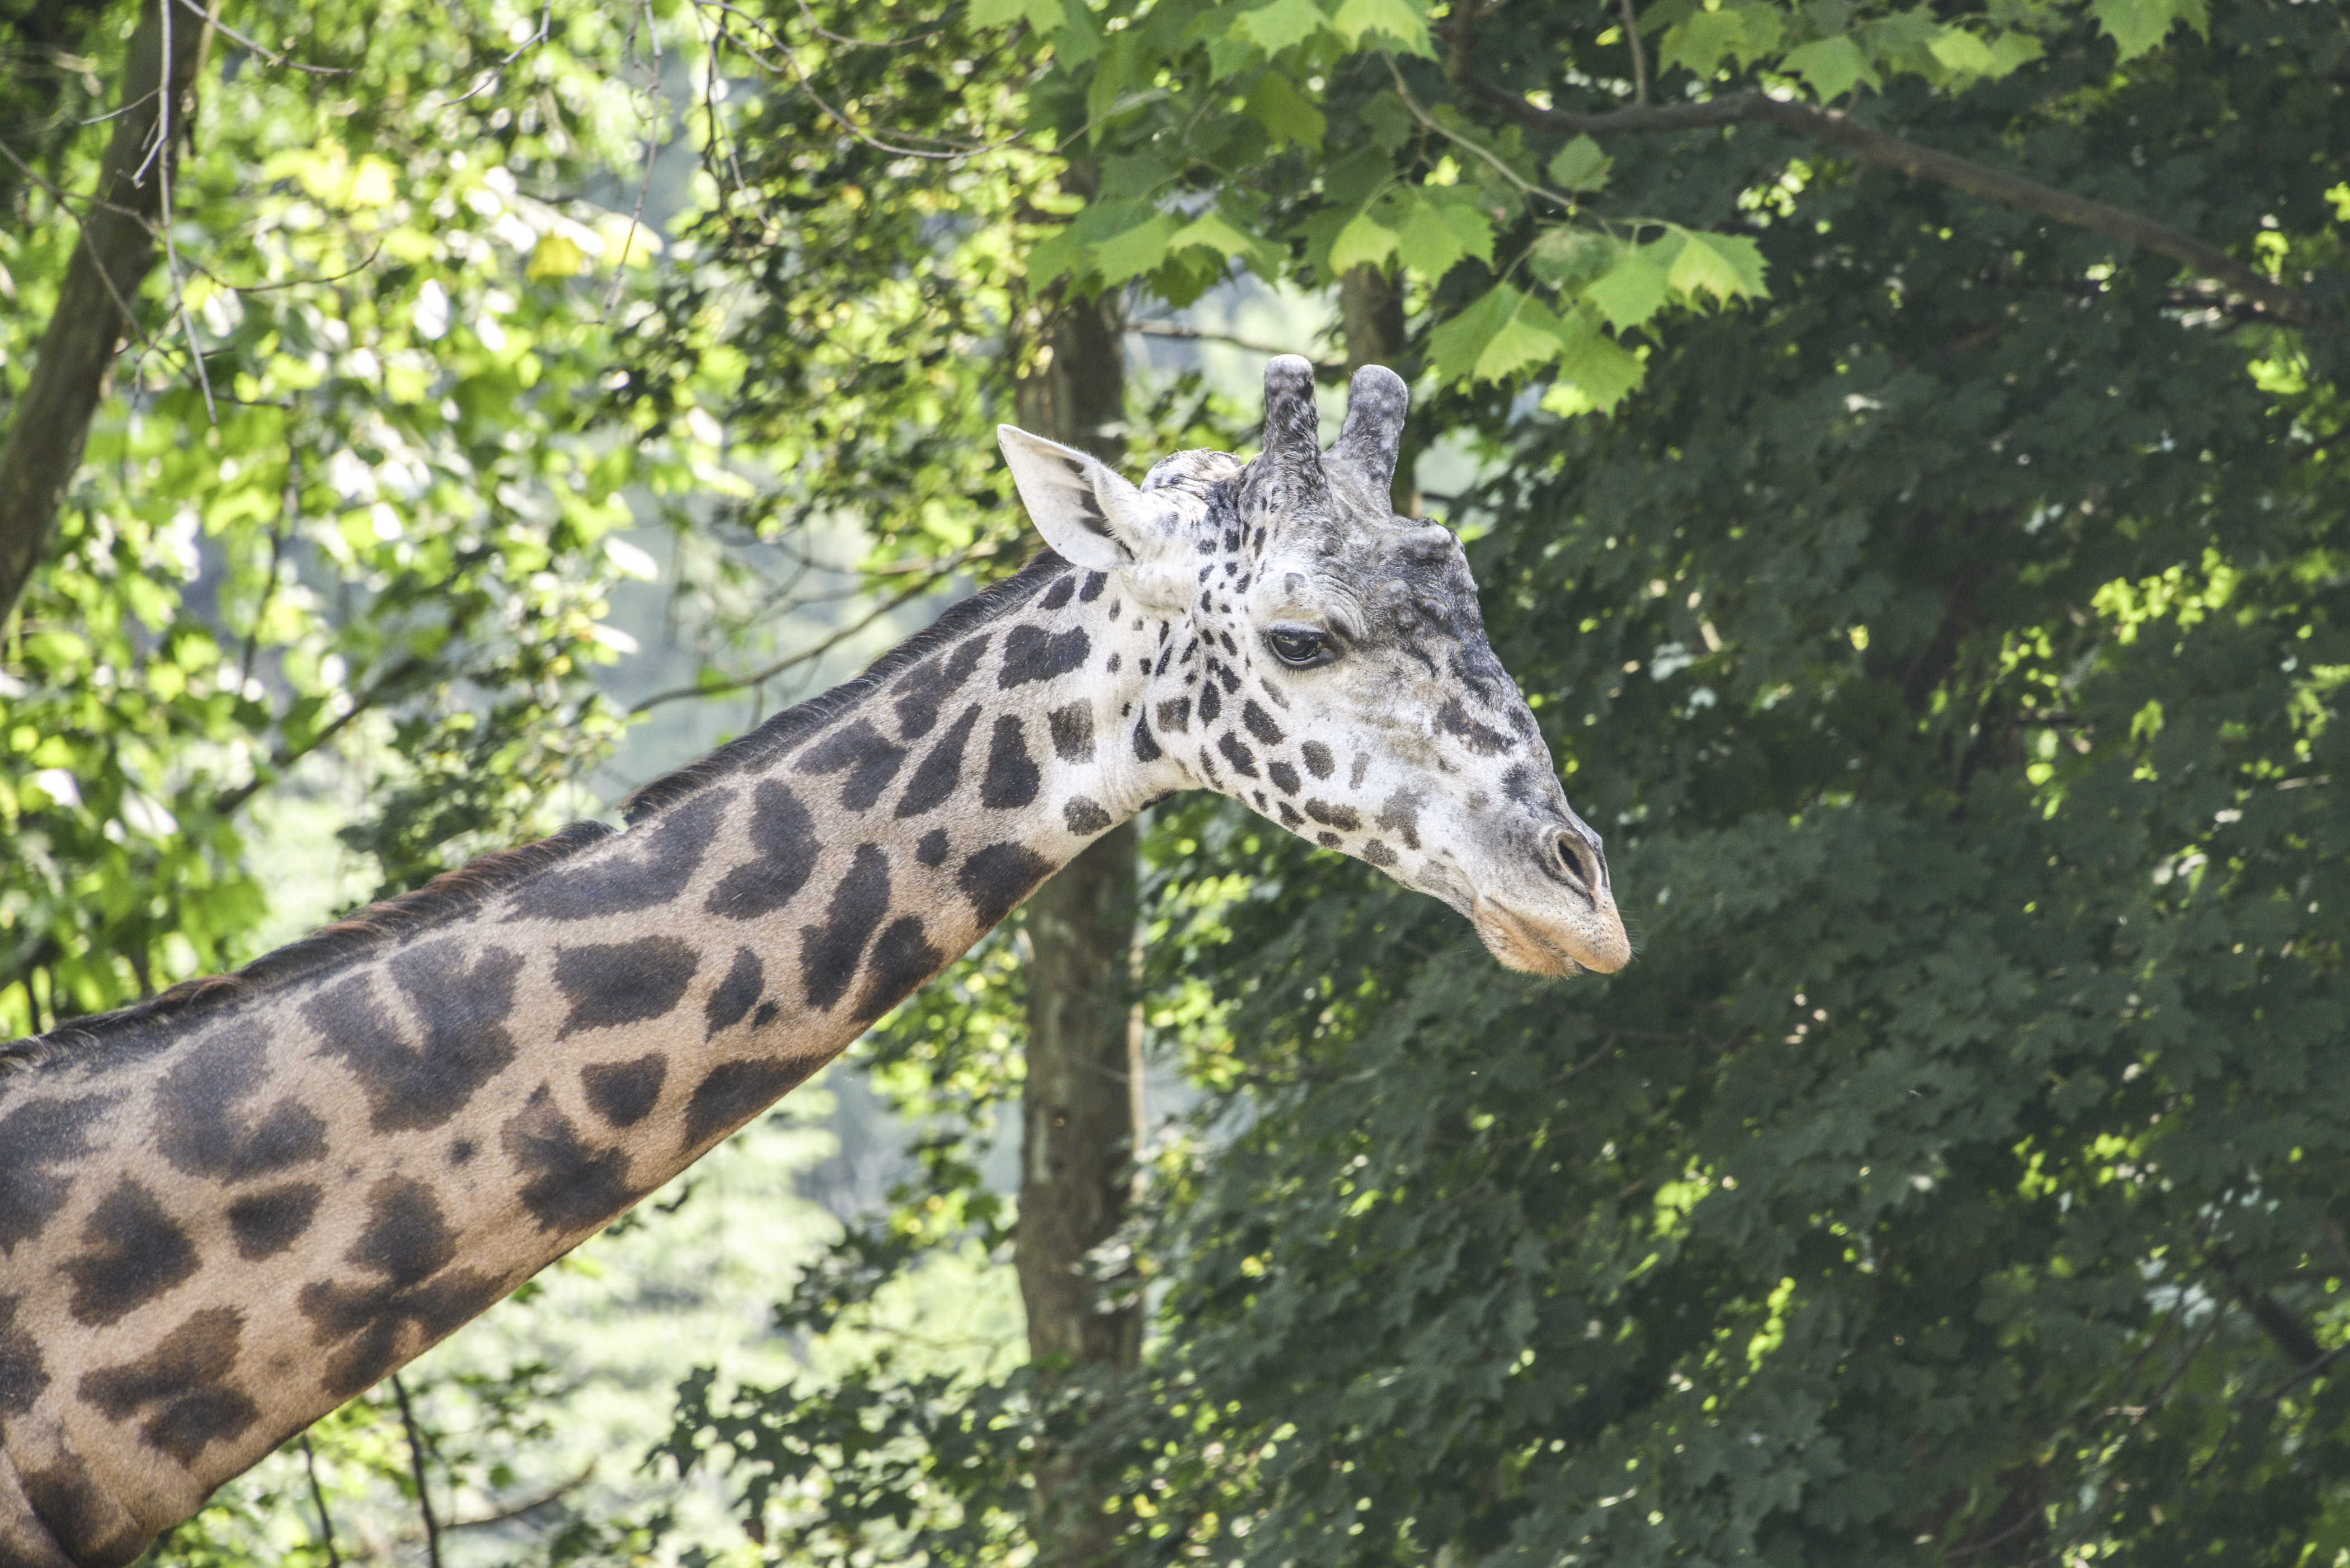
223,1216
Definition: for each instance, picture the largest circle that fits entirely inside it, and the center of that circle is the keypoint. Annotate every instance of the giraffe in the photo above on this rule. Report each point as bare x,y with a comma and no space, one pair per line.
228,1210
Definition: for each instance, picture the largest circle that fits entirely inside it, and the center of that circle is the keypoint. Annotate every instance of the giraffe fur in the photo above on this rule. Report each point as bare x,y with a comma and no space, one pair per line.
224,1211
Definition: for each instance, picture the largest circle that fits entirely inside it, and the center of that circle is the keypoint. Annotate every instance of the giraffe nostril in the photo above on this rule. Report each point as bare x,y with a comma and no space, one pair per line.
1580,862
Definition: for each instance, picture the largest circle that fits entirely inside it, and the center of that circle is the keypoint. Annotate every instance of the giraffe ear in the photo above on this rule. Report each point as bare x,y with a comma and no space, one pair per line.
1090,514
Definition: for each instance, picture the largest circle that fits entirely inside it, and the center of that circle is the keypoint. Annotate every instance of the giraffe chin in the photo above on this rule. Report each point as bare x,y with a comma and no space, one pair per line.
1538,947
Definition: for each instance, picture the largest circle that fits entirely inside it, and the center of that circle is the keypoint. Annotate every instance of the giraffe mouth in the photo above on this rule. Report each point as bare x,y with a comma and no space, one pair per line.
1590,939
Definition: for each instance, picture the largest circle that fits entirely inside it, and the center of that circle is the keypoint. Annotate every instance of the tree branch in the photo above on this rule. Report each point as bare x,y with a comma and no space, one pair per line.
1876,147
116,253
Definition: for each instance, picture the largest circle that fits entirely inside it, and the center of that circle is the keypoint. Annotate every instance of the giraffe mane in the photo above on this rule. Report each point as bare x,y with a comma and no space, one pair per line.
368,931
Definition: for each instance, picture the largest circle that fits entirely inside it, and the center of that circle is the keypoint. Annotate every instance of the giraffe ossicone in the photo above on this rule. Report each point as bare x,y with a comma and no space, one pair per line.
225,1210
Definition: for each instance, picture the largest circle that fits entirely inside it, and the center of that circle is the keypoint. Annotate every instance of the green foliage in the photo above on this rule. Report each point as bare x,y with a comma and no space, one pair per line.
1950,651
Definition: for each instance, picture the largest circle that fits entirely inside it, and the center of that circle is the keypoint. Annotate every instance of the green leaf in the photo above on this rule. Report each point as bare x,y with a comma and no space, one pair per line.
1727,266
1211,231
1580,165
1594,371
1630,292
1135,251
1505,332
1961,51
1276,104
2013,50
1699,43
1044,15
1442,228
1276,28
1569,258
1402,22
1829,68
1364,242
1390,121
2137,25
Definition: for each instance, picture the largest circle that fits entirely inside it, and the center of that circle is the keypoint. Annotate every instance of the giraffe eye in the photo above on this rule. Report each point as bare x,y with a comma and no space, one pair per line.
1301,648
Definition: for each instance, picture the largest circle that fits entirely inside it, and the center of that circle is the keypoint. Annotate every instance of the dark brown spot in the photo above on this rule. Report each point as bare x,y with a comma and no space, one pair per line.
407,1240
1174,716
1146,744
460,1150
768,1013
646,866
784,837
1284,776
624,1093
938,775
734,1091
185,1383
1260,723
1378,854
859,750
1400,816
902,958
1085,816
1329,840
611,983
572,1186
24,1374
1362,765
922,691
997,878
265,1223
204,1125
737,994
1318,759
1058,593
1092,590
35,1141
1211,706
1329,815
133,1251
829,953
95,1530
460,1001
1073,731
1031,653
932,849
1012,773
1454,720
1243,761
1289,815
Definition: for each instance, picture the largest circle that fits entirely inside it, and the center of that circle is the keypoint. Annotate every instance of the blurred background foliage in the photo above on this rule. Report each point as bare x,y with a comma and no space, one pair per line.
1900,451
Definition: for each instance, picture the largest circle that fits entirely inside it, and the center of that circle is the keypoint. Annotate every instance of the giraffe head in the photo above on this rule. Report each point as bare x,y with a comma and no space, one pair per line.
1323,662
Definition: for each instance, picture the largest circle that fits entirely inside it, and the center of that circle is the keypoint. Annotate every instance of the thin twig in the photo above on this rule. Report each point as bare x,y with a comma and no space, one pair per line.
1193,334
504,1515
1430,122
652,150
416,1468
1639,57
545,22
318,1498
129,317
822,32
272,56
816,650
1887,152
276,548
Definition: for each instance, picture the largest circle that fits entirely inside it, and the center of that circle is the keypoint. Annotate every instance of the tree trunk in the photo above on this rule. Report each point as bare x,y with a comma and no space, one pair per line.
1370,313
117,251
1083,1099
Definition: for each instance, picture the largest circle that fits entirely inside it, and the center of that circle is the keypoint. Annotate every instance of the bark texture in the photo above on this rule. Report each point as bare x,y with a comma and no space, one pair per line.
119,242
1082,1104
